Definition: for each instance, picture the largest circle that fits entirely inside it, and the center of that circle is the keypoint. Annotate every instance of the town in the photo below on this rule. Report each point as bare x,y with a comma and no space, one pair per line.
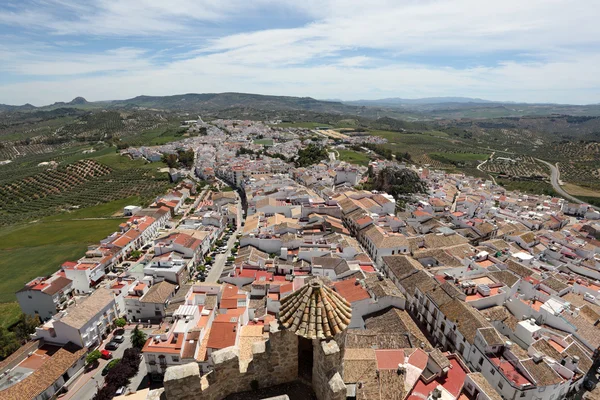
268,272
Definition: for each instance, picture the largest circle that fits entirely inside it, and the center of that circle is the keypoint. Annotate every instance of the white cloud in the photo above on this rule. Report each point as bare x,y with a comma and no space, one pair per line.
539,50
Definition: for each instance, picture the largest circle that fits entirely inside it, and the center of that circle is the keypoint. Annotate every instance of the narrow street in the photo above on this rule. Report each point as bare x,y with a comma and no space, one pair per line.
86,386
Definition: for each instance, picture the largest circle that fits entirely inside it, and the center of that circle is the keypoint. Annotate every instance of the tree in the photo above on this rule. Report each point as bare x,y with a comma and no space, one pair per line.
8,343
120,322
132,358
186,158
26,326
170,160
311,154
92,357
138,337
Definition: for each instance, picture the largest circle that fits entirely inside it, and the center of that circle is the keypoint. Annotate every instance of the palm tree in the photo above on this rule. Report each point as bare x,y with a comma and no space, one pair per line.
138,337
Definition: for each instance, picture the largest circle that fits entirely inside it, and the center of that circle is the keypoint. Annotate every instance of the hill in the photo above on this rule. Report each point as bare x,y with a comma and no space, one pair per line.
427,100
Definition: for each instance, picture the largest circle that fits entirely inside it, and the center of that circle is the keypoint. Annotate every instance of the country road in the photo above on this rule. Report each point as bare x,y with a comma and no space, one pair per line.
555,179
486,160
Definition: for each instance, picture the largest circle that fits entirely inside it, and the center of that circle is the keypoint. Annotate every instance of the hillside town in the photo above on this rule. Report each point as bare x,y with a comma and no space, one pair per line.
255,277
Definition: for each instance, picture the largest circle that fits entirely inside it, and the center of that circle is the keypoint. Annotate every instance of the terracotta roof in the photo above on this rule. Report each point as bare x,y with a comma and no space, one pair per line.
501,314
542,373
401,266
352,290
45,376
484,385
315,311
158,293
222,334
83,312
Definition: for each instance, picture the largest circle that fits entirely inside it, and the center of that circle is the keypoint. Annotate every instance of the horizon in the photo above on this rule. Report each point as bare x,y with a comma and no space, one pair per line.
534,52
471,99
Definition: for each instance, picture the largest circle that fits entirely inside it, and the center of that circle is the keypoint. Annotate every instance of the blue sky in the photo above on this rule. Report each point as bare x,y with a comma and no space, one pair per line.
534,51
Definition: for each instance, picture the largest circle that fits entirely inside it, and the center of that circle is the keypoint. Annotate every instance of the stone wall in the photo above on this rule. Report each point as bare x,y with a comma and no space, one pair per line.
327,371
274,362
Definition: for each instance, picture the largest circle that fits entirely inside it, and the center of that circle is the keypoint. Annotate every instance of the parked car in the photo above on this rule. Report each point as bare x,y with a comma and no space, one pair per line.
105,354
119,331
589,385
110,365
118,339
112,345
121,390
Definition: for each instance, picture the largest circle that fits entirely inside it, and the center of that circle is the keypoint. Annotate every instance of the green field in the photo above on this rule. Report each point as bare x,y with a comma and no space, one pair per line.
100,211
39,248
354,157
9,314
460,157
307,125
267,142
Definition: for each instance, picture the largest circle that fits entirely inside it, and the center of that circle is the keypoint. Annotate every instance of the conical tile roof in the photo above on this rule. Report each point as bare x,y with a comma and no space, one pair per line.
315,311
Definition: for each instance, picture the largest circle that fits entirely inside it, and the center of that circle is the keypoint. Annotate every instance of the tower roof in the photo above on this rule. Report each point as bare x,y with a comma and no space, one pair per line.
315,311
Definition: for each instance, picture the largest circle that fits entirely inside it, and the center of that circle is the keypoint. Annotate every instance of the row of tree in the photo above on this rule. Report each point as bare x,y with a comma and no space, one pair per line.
15,336
129,365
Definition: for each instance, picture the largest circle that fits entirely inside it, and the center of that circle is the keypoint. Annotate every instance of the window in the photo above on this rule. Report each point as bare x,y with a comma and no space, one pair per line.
175,359
500,385
137,311
29,296
480,360
522,394
493,371
36,312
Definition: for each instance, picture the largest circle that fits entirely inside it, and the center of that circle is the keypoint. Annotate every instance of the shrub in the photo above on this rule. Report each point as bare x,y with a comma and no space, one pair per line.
92,357
120,322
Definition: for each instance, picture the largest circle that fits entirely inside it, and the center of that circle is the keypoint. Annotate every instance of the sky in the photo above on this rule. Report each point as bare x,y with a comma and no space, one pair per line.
509,50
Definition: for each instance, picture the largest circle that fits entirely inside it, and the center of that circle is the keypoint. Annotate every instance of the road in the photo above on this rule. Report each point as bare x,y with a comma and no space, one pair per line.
486,160
555,181
220,259
86,386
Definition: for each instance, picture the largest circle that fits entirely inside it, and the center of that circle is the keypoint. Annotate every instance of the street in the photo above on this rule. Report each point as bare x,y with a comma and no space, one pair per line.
220,260
86,386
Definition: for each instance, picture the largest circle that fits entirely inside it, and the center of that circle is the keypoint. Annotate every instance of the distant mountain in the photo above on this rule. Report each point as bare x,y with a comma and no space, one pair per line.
77,101
396,101
9,108
220,101
256,106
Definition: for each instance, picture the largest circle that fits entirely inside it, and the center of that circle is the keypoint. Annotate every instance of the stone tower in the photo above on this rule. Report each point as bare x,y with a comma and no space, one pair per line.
306,343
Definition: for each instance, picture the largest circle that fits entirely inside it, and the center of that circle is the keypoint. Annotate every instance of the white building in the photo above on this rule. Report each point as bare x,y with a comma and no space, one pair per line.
85,324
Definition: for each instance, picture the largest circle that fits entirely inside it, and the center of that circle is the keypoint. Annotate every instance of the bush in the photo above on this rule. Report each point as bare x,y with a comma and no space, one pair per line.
120,322
92,357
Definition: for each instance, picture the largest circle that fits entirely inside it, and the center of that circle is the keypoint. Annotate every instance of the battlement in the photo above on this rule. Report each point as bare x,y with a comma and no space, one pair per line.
274,362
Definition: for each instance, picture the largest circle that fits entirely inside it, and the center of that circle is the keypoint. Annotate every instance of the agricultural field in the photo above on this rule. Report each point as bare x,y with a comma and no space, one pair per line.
9,314
518,166
38,249
354,157
307,125
266,142
524,186
81,184
581,191
585,174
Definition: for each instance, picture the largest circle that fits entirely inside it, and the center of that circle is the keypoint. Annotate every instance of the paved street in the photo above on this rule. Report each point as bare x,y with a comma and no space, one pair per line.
86,386
221,259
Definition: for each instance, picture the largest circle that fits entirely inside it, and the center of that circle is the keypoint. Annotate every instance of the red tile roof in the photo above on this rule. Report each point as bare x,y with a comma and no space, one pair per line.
351,290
